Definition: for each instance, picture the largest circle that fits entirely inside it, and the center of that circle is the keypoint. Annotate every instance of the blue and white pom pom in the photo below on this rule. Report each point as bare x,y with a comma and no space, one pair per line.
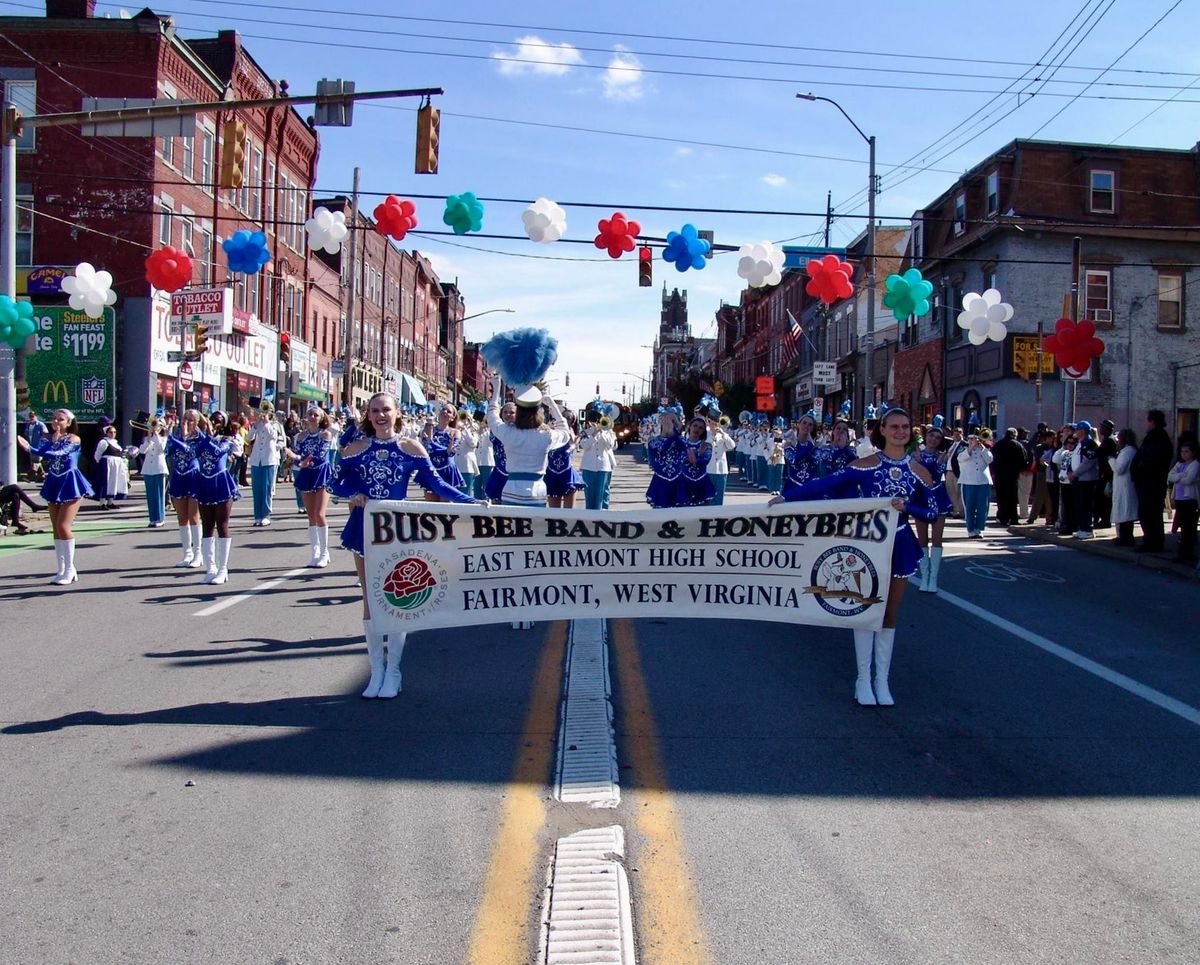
521,356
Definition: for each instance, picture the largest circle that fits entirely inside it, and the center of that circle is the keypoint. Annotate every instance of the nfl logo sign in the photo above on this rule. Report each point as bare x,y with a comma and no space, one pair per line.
93,391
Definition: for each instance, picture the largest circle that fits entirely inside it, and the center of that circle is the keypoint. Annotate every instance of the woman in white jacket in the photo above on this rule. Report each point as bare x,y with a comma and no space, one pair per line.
722,444
597,444
154,471
1124,494
975,482
527,443
465,456
485,457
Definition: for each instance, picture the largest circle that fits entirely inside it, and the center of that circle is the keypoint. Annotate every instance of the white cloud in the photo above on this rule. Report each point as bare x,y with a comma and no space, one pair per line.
684,151
534,55
774,180
623,80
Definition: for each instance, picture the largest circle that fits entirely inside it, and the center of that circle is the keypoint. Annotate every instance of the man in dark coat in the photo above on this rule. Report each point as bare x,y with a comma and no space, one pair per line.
1149,470
1008,459
1105,451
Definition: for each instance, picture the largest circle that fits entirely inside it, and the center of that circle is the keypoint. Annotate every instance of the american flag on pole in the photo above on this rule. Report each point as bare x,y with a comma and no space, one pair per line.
791,341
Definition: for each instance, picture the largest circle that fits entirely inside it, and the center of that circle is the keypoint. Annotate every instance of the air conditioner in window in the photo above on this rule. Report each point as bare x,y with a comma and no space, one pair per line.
960,227
1100,315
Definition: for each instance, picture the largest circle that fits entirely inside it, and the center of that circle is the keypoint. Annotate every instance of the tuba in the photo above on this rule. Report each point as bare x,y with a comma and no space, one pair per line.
723,422
605,422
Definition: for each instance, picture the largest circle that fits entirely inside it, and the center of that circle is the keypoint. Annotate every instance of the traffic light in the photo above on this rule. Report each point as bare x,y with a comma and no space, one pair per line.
429,126
645,267
285,350
597,388
623,390
567,380
233,154
200,342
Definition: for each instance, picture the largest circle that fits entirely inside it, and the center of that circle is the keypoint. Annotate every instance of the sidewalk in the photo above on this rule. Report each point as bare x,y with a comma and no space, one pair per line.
1102,544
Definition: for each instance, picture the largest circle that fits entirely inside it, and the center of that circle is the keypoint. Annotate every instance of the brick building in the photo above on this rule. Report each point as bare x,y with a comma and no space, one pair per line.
674,346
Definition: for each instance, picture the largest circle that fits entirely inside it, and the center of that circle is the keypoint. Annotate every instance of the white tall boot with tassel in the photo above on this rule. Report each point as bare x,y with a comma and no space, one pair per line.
60,553
185,543
197,557
922,577
885,639
315,545
222,559
375,656
208,558
864,643
323,545
391,676
935,566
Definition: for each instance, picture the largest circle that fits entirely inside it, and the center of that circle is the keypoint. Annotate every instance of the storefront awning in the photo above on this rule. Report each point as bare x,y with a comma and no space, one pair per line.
309,393
410,390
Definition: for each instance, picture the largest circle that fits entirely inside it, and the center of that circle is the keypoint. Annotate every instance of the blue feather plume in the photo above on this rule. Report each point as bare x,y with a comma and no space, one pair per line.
521,356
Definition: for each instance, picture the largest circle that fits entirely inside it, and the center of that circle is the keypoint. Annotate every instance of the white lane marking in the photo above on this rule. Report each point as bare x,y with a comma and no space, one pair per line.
1128,684
590,917
229,601
586,771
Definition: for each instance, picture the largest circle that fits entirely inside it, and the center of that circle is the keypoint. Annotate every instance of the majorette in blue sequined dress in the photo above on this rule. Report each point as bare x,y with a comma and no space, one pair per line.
888,479
937,472
64,482
800,461
213,483
441,450
666,456
183,466
699,487
382,471
831,459
318,451
561,475
494,487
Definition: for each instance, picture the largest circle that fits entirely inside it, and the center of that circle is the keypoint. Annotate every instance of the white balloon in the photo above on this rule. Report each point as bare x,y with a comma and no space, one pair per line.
976,338
997,332
327,230
992,296
545,222
89,290
761,265
995,314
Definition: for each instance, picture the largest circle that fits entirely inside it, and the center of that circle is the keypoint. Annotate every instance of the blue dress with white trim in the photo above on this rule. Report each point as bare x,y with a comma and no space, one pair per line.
666,456
801,462
831,459
937,472
64,482
441,450
213,484
561,475
700,489
318,451
382,471
183,465
494,488
889,478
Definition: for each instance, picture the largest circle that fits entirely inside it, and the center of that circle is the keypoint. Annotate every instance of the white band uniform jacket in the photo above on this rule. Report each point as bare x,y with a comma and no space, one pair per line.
483,449
973,466
465,457
266,443
154,449
525,453
597,446
722,444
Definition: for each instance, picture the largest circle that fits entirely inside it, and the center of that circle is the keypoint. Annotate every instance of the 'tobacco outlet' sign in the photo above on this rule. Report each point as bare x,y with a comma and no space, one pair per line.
203,306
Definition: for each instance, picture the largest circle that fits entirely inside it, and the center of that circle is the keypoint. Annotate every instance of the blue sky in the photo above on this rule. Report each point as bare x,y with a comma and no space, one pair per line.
589,70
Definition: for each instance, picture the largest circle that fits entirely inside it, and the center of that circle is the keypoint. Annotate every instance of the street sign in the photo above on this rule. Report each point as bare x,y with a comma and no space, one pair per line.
337,368
764,385
176,356
1024,357
185,377
764,403
212,307
798,256
825,373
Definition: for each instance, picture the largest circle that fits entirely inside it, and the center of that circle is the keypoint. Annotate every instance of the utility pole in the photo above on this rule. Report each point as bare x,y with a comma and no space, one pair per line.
1076,265
8,271
828,215
348,369
870,367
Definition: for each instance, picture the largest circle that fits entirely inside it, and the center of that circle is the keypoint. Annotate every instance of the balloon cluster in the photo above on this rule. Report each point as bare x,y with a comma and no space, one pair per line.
984,316
829,279
16,321
1074,345
169,269
246,251
617,234
464,212
686,249
326,230
908,294
544,221
395,217
760,264
90,290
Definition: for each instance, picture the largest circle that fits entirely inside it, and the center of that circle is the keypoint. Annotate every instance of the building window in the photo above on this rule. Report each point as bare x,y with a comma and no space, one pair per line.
993,192
24,226
206,257
269,188
955,333
1170,300
164,225
166,149
918,237
255,178
187,156
206,158
186,227
989,279
1098,296
960,214
1104,192
23,95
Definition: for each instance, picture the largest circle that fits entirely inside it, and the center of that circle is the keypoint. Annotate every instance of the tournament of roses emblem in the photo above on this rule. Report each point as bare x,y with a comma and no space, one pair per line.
410,584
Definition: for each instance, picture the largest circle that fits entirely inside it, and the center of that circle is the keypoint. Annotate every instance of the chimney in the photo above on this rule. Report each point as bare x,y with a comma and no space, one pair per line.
70,9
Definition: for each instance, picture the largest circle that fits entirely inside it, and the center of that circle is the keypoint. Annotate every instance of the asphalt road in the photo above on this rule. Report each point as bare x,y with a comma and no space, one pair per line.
184,788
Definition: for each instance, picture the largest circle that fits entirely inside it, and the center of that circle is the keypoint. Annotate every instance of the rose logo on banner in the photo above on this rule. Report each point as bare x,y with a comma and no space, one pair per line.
844,581
410,584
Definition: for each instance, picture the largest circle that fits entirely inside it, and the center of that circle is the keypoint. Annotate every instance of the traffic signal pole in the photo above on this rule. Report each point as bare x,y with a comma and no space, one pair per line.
13,123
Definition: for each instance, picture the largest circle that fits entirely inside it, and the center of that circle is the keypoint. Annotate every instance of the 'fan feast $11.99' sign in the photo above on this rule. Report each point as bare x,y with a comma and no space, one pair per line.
821,563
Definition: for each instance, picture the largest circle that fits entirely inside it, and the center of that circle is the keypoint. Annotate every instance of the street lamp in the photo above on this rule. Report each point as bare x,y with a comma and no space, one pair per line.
487,312
870,362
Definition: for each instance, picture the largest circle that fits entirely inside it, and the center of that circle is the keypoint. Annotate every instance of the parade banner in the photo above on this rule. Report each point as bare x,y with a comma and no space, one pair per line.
74,365
822,563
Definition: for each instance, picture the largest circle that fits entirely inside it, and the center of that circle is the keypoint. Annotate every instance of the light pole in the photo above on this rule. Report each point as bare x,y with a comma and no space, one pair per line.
487,312
869,373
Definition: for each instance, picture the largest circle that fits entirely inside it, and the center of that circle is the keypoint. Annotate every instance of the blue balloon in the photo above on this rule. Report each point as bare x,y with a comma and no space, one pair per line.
246,251
686,249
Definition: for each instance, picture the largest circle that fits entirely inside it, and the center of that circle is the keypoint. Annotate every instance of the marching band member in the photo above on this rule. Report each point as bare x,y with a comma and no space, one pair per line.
214,490
698,454
764,446
499,474
666,454
890,472
65,485
527,443
931,456
485,459
153,451
266,440
182,485
776,458
379,465
466,461
839,453
441,442
800,454
722,445
312,456
562,478
598,443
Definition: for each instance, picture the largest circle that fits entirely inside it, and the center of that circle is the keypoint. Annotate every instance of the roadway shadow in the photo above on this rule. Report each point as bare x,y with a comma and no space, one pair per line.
261,645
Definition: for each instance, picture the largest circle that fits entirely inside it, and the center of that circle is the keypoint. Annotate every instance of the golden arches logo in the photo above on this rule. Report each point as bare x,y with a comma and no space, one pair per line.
53,389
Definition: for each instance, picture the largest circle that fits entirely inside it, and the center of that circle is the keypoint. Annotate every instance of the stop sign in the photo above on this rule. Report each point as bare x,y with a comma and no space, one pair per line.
185,377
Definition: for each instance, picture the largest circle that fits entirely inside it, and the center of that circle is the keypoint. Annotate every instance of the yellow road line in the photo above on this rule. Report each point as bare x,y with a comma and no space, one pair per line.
502,933
666,913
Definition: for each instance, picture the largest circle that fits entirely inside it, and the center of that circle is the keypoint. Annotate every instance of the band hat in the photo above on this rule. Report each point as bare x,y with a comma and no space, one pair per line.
529,397
1084,425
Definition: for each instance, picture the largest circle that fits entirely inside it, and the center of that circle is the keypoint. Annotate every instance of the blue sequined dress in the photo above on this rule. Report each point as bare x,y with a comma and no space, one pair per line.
441,448
315,476
937,472
382,471
494,488
699,487
183,465
801,463
833,459
213,484
561,475
888,479
666,456
64,482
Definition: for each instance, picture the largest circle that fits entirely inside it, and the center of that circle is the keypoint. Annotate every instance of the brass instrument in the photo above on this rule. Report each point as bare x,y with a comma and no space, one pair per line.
154,425
723,422
266,406
463,415
605,422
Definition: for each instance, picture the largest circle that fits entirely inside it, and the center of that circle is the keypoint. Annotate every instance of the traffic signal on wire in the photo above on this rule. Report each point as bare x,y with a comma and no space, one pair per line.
645,267
429,127
233,154
200,343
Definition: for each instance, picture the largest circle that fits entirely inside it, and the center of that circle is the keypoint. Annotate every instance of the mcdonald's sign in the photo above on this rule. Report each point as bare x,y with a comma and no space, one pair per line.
56,393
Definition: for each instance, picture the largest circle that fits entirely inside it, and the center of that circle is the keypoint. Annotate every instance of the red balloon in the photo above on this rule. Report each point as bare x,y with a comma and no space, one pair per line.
169,269
1074,345
395,217
829,279
617,234
1085,329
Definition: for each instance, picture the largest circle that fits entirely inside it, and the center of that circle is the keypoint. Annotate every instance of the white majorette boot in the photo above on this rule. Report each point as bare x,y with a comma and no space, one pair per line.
222,559
67,574
60,555
885,639
185,542
864,643
197,557
391,676
922,577
375,655
315,545
208,557
323,544
935,564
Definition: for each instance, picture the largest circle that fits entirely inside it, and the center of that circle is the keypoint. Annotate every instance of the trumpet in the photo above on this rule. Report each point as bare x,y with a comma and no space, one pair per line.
463,415
605,422
723,422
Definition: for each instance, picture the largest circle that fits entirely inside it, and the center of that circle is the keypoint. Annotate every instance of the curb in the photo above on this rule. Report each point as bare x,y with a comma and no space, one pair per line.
1099,548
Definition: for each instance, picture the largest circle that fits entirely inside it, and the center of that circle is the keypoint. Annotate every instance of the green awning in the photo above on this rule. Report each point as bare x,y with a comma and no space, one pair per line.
310,393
